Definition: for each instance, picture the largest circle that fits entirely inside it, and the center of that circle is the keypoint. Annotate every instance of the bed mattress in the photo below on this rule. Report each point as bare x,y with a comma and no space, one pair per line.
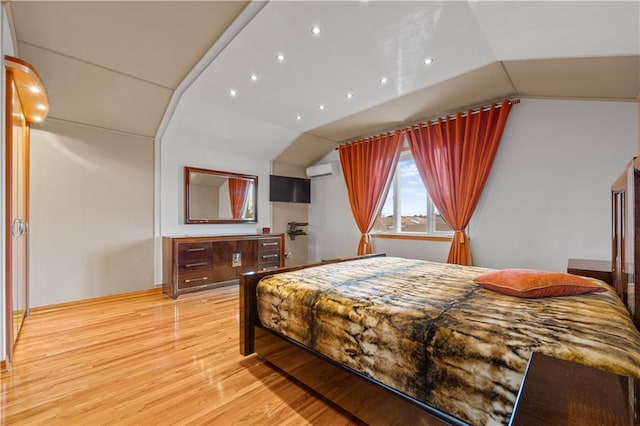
427,330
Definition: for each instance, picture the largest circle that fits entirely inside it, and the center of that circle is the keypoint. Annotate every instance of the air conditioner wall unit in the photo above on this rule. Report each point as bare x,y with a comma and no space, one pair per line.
327,169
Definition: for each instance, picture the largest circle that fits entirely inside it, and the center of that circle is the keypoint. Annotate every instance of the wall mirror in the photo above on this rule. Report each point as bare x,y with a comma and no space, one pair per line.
213,196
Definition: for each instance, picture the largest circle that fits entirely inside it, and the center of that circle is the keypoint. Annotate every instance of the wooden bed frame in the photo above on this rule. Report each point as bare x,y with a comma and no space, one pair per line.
376,403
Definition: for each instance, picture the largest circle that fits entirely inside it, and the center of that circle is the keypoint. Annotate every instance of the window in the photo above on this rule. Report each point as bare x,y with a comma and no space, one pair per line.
408,207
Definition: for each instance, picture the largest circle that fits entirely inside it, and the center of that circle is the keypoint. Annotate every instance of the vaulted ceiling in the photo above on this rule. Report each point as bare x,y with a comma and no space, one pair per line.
116,65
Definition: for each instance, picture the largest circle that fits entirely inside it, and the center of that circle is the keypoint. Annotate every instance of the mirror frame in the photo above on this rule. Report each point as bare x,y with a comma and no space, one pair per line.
188,170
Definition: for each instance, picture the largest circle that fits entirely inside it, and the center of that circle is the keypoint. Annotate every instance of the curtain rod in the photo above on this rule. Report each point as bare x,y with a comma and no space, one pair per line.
434,119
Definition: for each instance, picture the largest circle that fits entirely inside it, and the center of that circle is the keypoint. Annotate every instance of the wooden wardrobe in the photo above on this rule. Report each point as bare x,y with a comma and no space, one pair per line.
26,103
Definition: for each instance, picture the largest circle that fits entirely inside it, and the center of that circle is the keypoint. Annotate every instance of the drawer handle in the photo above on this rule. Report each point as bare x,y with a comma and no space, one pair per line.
270,256
269,244
191,265
269,268
196,279
195,249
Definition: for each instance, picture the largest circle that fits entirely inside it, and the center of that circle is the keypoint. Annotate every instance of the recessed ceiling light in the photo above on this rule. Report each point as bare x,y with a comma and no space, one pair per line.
428,61
349,95
298,117
253,77
233,93
280,57
316,30
321,107
384,80
41,107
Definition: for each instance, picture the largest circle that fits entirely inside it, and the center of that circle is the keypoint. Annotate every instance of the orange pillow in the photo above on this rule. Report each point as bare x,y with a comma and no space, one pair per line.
530,283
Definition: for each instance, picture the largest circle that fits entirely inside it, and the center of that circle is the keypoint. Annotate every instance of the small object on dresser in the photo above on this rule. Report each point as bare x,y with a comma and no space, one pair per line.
266,230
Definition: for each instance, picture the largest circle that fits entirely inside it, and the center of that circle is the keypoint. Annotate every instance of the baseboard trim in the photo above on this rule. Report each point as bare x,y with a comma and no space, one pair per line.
93,301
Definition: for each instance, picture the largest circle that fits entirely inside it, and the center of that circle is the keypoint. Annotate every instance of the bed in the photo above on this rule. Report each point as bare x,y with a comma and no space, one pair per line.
457,358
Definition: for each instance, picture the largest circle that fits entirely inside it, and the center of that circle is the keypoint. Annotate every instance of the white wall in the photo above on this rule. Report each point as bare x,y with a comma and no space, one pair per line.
332,230
91,229
546,200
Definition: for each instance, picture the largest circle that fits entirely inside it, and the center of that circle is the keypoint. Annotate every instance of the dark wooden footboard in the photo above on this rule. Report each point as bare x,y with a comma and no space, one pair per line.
368,400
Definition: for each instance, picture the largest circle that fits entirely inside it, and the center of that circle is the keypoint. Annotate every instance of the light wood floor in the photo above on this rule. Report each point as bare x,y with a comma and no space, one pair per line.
145,359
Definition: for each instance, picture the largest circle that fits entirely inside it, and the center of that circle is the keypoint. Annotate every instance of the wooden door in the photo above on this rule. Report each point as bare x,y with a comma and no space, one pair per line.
26,102
17,211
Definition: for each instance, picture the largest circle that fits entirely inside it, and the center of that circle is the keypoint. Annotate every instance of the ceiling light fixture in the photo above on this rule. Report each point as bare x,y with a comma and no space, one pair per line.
280,57
233,93
349,95
428,61
316,30
253,77
321,107
384,80
298,117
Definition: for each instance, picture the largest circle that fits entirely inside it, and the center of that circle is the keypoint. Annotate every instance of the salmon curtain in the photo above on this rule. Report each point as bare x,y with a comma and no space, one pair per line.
454,157
238,196
367,166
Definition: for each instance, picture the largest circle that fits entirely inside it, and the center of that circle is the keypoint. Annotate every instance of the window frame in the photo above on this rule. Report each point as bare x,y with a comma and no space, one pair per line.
397,233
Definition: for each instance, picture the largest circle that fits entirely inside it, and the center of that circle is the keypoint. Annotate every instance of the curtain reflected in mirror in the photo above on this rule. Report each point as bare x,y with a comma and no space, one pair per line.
213,196
238,196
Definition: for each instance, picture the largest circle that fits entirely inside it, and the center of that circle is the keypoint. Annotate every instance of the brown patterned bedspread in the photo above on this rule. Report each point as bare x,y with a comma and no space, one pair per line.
428,331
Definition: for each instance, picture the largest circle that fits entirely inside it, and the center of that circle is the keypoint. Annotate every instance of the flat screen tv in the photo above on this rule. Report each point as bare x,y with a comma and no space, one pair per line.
289,189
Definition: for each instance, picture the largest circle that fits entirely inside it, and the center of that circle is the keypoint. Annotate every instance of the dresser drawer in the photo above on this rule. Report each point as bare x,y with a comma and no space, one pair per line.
269,244
195,253
196,276
272,257
268,267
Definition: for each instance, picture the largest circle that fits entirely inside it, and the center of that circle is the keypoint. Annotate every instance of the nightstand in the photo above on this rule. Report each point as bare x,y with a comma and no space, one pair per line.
600,269
558,392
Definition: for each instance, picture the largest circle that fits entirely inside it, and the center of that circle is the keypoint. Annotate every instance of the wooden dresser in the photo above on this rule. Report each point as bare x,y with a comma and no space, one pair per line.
198,263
